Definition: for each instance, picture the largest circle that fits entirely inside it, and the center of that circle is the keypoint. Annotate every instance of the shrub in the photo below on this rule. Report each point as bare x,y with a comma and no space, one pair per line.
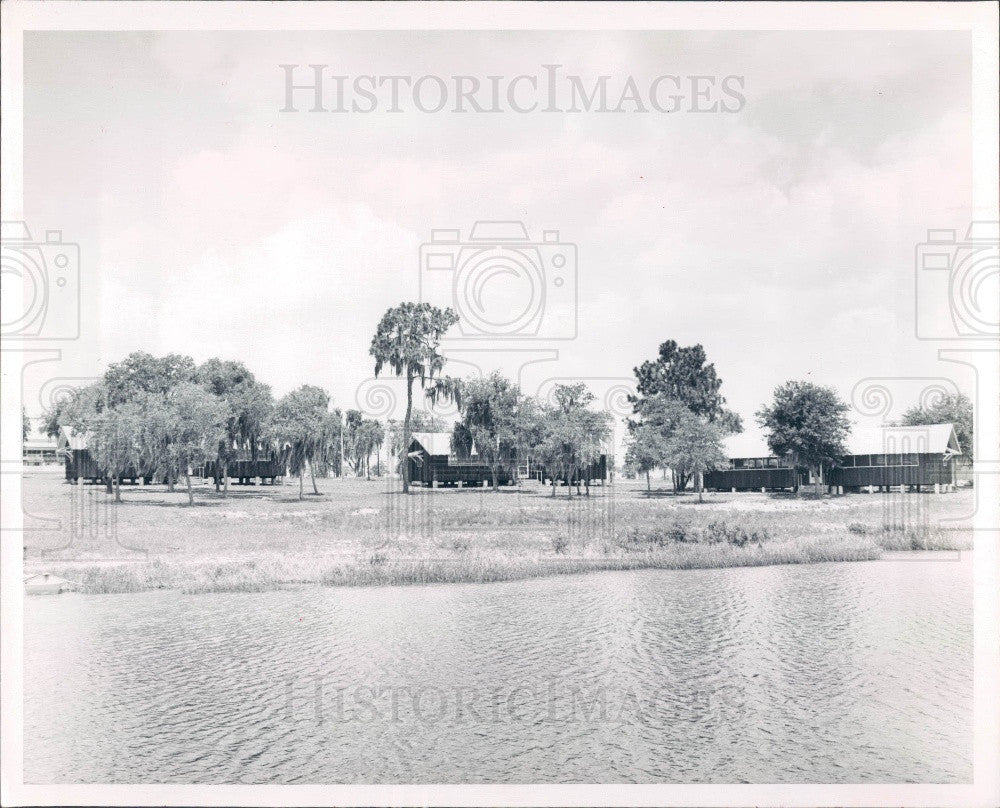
737,535
661,535
859,528
560,544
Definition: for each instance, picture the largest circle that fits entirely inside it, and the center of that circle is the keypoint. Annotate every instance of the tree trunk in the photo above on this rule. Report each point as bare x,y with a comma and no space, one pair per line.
109,484
118,488
553,487
216,477
170,482
300,483
312,476
406,431
700,486
496,481
649,489
190,492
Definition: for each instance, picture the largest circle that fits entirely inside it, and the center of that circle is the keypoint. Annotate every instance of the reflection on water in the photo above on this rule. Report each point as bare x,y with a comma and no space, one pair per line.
833,673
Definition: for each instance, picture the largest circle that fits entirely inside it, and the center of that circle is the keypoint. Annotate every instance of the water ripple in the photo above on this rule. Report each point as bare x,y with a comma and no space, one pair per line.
836,673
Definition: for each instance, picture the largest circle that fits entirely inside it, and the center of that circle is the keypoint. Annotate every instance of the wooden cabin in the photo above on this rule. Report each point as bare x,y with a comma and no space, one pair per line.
80,465
268,467
912,456
595,471
433,462
752,466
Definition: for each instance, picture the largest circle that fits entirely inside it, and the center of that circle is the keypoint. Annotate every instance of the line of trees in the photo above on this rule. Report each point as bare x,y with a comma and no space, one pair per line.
496,417
166,416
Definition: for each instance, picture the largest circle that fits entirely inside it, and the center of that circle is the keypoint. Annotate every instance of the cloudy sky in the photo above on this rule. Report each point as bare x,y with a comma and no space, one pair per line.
781,236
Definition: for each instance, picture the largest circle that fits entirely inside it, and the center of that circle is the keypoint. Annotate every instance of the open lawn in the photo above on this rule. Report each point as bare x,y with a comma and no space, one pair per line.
359,532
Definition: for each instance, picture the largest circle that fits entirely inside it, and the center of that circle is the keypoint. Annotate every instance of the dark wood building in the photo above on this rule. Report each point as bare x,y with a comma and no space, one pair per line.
81,466
268,467
912,456
596,471
432,461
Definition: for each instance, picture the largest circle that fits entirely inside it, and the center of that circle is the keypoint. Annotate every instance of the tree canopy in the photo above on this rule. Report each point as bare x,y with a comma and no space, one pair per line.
683,374
808,422
406,340
489,409
572,436
301,419
141,372
679,382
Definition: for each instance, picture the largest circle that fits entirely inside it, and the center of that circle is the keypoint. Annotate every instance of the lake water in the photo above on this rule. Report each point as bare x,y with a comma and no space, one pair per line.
832,673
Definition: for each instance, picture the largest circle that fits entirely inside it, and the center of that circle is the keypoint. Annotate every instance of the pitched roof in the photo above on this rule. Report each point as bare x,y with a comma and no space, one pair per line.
71,440
746,444
39,443
929,439
434,443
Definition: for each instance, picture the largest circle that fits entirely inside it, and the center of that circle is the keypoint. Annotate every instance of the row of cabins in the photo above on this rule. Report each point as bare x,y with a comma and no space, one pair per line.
80,465
876,458
433,461
879,458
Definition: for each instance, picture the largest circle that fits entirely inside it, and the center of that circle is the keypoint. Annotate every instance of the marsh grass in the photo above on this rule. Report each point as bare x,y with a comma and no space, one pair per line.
360,534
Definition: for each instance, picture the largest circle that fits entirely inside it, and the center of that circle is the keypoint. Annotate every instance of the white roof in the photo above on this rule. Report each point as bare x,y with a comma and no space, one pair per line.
434,443
930,439
71,440
746,444
39,443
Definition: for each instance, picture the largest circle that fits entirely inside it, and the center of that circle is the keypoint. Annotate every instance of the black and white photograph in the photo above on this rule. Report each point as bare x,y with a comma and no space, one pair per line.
500,404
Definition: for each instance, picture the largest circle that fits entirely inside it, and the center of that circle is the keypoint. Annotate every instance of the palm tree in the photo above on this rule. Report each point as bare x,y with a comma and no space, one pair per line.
407,340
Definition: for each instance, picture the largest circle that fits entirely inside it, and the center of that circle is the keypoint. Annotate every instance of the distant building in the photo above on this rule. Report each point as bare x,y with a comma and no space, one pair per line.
912,456
80,464
267,466
598,470
39,452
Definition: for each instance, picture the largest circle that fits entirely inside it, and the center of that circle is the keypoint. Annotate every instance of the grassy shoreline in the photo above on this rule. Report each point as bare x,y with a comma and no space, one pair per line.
270,573
360,533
